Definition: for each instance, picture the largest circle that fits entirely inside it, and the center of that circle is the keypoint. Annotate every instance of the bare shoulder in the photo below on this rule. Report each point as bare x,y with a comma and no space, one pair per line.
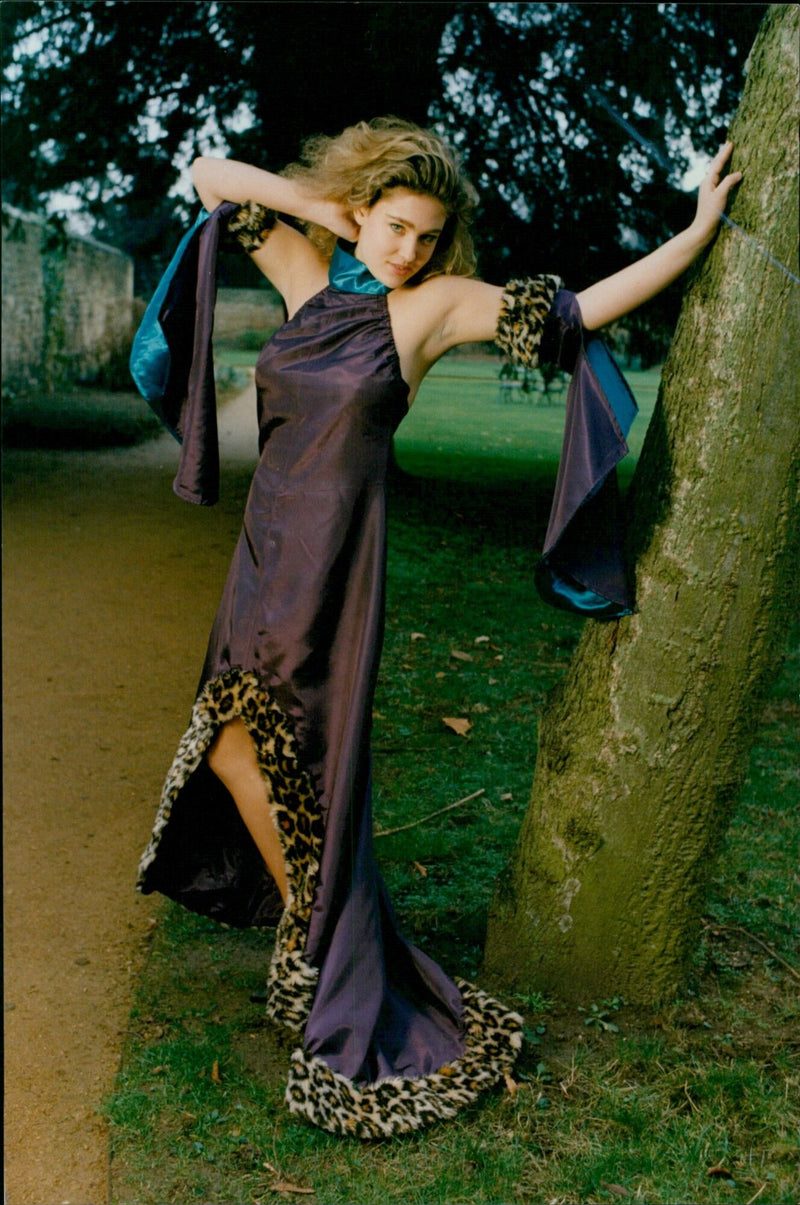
450,293
444,311
292,264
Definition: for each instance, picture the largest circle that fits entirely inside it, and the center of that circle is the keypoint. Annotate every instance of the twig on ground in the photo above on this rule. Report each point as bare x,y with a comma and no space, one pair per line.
389,832
758,1194
769,950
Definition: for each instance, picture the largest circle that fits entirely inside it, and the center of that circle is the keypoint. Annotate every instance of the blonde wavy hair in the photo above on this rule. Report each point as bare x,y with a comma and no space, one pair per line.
369,159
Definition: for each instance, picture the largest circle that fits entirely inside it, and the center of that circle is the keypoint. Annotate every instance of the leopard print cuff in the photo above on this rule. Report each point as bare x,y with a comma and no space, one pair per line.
251,224
525,305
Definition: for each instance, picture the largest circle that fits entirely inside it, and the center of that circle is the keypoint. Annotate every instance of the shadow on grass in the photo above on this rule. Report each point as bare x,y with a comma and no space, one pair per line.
483,507
89,419
78,420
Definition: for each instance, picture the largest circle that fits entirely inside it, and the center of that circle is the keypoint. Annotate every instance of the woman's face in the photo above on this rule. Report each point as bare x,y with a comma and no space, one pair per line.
398,234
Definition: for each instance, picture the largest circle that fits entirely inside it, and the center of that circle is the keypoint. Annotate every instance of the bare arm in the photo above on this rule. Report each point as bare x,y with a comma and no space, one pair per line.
616,295
470,309
287,257
218,180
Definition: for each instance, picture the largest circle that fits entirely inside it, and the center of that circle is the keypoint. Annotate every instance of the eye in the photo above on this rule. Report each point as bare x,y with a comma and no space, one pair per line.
396,227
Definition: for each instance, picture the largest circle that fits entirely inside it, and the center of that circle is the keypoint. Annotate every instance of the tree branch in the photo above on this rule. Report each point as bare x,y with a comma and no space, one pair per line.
29,30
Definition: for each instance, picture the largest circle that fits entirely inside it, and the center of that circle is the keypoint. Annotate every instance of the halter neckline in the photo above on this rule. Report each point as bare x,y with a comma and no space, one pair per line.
351,275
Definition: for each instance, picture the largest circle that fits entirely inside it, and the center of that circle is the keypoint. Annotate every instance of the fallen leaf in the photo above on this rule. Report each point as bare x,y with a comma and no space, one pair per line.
499,657
441,674
286,1186
481,639
493,681
506,797
215,1075
617,1189
420,869
460,726
719,1170
417,635
459,656
511,1085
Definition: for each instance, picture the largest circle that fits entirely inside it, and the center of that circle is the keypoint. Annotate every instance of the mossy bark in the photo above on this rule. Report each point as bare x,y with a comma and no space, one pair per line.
642,748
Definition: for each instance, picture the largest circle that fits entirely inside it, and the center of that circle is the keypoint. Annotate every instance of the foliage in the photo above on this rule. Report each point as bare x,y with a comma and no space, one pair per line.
106,102
539,99
77,418
540,94
107,413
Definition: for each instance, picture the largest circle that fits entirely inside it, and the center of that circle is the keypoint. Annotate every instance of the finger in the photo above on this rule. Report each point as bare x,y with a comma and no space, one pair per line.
722,155
729,182
717,163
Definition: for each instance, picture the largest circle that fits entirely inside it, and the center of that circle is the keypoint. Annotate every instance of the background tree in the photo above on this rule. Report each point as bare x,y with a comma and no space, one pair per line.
107,100
538,99
642,748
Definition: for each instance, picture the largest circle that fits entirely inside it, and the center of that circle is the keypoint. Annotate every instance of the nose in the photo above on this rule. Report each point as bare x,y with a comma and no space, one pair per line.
408,248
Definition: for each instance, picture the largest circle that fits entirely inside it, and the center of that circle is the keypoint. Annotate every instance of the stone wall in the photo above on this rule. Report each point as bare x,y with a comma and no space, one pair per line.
67,305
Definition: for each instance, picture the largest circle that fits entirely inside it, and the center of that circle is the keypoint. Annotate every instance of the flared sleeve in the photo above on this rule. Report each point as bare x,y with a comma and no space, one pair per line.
172,360
197,478
583,567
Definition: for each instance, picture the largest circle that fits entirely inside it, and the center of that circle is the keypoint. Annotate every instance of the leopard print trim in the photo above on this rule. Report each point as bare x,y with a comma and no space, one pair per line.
251,224
295,811
493,1036
523,309
399,1105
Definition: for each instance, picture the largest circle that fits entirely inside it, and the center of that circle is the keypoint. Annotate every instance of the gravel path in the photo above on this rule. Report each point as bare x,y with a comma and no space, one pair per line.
110,586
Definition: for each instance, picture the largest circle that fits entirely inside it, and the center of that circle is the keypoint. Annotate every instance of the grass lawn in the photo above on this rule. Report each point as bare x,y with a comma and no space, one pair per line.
464,425
697,1102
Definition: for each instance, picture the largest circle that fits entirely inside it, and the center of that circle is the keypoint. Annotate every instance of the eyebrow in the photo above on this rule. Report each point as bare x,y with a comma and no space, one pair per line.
405,222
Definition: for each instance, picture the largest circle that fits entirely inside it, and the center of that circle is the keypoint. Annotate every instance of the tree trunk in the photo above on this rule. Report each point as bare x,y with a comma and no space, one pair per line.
642,748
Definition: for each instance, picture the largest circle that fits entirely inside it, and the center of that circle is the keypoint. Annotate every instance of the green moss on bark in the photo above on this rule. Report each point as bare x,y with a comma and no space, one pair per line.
643,747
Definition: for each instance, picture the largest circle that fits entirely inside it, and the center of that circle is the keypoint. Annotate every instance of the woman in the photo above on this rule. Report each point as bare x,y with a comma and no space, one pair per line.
269,794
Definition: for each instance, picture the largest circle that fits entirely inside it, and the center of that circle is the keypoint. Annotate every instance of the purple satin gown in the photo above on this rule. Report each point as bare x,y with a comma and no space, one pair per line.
389,1042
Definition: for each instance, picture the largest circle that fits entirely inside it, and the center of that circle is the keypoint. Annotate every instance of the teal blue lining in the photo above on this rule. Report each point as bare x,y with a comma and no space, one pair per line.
350,275
150,359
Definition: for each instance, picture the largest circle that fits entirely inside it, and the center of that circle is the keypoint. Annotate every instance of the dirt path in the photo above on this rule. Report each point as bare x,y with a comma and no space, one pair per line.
110,585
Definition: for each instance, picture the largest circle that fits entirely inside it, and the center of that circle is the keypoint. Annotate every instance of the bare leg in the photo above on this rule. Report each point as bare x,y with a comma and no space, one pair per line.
233,759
